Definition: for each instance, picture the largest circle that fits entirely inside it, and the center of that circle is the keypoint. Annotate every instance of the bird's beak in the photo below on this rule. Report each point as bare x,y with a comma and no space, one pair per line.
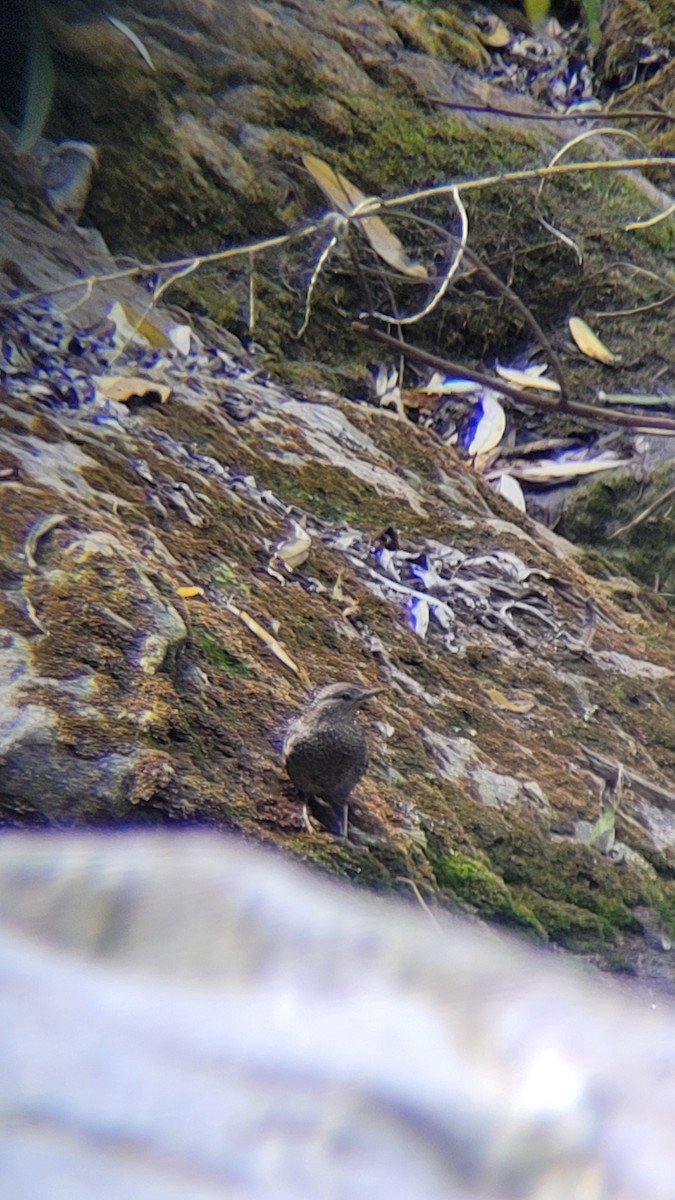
368,695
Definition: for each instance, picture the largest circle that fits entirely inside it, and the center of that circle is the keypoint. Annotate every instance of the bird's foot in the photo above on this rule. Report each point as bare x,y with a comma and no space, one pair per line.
305,820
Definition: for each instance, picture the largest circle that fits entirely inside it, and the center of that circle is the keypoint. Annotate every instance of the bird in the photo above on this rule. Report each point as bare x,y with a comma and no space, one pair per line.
325,751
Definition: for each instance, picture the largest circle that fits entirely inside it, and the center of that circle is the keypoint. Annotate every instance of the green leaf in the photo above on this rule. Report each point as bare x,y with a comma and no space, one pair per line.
38,82
536,10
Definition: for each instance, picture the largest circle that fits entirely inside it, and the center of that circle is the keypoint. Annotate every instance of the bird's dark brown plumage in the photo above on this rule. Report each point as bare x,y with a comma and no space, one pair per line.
325,751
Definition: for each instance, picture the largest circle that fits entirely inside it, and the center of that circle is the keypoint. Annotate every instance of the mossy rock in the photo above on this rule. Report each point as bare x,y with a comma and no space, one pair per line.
474,884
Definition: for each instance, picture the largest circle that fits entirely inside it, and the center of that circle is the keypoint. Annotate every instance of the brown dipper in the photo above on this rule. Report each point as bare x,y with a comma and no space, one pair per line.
325,751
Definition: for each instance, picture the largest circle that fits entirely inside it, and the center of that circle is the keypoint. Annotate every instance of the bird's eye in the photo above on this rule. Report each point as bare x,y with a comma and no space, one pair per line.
347,696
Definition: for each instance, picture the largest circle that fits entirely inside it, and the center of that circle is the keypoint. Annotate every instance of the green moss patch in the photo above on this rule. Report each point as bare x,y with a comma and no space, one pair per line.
474,884
219,654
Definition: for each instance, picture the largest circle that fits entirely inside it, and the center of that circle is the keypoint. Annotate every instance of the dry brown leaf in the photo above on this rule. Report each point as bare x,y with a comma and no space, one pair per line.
123,388
345,196
589,343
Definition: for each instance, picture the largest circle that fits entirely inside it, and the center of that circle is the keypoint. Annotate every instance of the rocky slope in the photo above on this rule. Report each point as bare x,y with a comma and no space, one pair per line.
156,634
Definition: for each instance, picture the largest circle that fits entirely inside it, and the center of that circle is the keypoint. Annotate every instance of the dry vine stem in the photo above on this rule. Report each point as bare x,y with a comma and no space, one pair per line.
502,289
637,114
194,262
446,279
639,308
605,416
576,141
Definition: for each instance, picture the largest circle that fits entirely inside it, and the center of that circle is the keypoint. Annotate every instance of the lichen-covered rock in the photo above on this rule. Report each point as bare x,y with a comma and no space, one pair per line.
75,687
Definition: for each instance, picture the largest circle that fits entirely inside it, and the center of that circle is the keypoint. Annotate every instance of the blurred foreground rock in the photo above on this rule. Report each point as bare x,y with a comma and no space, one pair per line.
184,1016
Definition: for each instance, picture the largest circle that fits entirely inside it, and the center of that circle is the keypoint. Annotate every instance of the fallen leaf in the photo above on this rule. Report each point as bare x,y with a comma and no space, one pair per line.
123,388
486,425
133,325
126,329
549,470
293,551
510,489
529,377
418,615
447,385
188,592
346,197
589,343
268,639
180,336
494,33
351,606
133,38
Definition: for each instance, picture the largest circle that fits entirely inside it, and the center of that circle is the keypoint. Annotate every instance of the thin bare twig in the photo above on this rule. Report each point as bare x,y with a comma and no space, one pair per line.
646,512
668,212
587,412
639,308
503,289
420,899
493,110
307,230
570,145
446,280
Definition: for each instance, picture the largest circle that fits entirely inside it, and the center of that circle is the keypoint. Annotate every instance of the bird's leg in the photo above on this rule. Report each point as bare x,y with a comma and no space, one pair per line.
305,818
345,821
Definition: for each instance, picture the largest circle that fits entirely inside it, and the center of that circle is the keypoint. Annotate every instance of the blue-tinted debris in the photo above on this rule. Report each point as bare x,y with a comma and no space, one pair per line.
485,427
418,613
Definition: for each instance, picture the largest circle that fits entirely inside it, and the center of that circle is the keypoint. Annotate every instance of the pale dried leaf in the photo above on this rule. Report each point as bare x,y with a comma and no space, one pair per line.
180,336
418,615
123,388
346,197
141,324
510,489
487,425
126,329
293,551
528,378
549,470
269,640
133,38
589,343
446,385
